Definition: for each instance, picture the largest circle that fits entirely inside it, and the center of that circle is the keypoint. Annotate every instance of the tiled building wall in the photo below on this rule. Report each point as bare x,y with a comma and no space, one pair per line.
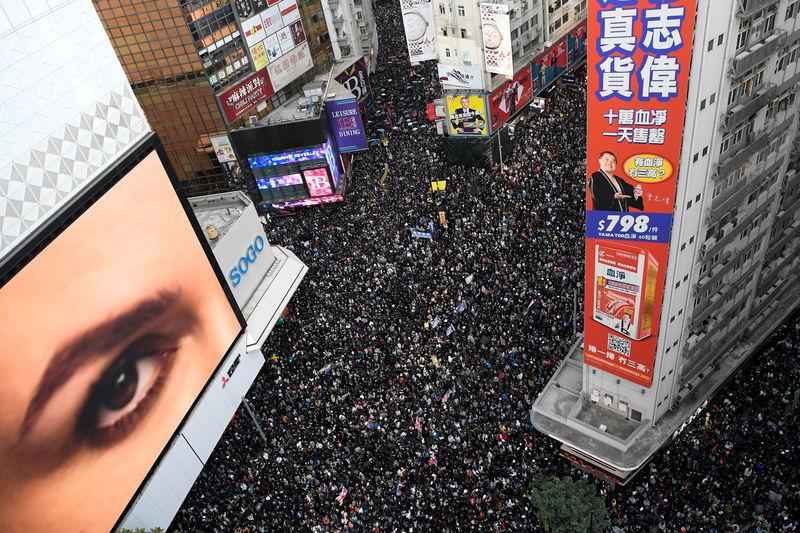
66,110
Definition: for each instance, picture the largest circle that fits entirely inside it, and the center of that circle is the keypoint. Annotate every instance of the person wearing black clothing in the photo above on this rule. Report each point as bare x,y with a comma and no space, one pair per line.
610,192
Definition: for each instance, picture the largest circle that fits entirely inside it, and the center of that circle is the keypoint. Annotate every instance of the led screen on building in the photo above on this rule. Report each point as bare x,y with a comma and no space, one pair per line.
638,65
284,158
117,326
317,181
280,181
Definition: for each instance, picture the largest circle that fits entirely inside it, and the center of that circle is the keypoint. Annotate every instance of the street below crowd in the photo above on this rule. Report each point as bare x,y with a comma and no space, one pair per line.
396,395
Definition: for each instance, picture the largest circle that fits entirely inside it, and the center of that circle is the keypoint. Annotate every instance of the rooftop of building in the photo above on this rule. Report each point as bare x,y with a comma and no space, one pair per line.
566,414
306,106
219,211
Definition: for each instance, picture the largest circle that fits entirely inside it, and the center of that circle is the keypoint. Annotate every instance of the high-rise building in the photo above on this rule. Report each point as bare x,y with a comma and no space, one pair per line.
494,59
730,276
181,56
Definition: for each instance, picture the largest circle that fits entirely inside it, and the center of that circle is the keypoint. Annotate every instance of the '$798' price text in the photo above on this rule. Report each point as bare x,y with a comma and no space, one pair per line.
624,223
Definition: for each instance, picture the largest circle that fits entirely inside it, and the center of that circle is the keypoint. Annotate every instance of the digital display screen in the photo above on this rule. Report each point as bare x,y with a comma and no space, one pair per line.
279,181
286,157
309,202
117,326
317,181
330,157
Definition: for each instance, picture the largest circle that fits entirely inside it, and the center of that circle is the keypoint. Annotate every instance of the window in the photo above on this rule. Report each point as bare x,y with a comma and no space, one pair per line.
769,24
359,15
712,98
695,158
723,147
565,19
710,45
705,151
463,33
514,34
791,9
461,11
702,104
744,31
444,32
447,52
719,39
688,204
441,9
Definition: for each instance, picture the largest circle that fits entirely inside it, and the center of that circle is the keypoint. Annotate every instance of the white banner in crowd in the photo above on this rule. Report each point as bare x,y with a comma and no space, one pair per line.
496,30
460,76
420,29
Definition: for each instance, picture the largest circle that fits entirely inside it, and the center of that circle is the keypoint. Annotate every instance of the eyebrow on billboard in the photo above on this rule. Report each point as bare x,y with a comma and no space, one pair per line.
89,345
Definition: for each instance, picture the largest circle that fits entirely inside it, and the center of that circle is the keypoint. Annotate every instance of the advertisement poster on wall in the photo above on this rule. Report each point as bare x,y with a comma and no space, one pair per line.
548,65
510,97
347,126
420,29
356,80
288,67
466,114
638,68
458,77
576,48
239,99
273,31
496,30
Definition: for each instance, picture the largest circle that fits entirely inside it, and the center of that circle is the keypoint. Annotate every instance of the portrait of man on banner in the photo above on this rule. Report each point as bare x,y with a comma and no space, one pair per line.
468,118
610,192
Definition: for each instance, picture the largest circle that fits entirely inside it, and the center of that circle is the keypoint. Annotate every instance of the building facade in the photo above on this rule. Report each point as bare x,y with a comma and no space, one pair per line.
731,274
180,56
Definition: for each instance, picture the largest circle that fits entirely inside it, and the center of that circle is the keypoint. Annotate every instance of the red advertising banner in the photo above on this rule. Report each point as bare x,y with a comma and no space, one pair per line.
239,99
638,68
561,53
510,97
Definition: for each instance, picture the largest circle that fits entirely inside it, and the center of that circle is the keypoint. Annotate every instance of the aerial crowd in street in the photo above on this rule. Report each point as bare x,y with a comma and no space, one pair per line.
396,395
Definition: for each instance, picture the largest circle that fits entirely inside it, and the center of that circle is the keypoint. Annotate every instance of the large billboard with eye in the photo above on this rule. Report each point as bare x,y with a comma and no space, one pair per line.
113,330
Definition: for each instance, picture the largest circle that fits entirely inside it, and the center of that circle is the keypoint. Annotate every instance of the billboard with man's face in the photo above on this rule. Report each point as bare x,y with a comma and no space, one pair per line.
466,114
117,326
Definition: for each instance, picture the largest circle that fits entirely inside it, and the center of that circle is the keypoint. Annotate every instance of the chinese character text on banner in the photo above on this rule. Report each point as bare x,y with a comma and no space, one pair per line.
638,67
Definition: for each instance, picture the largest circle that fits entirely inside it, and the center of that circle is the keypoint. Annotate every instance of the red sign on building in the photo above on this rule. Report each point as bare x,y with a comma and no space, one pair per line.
638,74
239,99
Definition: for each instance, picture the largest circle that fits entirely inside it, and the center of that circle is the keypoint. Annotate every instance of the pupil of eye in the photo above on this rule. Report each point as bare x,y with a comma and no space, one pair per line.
121,387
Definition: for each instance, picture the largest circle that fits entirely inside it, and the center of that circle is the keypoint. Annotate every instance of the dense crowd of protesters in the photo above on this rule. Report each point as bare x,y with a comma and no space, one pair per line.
397,394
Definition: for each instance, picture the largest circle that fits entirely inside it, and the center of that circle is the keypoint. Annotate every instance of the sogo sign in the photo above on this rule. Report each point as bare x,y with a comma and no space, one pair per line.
243,265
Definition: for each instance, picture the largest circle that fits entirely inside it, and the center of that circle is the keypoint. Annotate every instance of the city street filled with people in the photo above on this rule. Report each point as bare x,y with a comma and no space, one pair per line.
396,394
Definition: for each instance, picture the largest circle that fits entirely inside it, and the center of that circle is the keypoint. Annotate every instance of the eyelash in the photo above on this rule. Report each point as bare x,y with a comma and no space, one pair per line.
151,346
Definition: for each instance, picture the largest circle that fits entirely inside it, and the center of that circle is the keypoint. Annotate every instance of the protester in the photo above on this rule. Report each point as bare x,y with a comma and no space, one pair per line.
397,393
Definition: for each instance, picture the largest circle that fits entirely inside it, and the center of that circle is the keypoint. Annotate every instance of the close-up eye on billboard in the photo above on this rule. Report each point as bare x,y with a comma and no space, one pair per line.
109,334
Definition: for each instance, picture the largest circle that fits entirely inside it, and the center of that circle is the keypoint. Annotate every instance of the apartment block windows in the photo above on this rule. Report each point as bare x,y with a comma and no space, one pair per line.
791,9
441,9
461,11
744,33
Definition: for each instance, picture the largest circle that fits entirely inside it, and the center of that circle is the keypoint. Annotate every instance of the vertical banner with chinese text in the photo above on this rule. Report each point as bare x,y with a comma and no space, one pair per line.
638,61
